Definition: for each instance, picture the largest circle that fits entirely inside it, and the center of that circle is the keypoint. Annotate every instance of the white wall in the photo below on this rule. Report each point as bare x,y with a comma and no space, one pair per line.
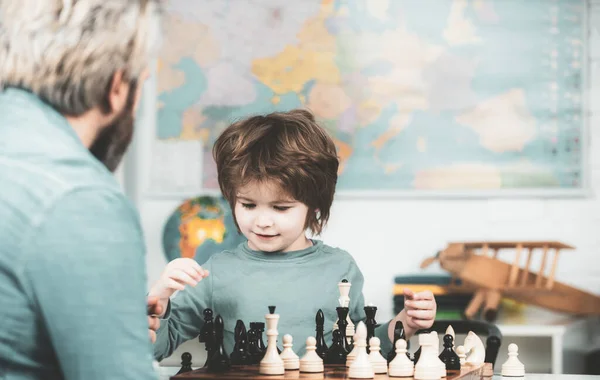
404,231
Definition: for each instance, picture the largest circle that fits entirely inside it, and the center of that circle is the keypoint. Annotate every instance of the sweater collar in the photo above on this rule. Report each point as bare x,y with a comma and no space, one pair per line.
282,256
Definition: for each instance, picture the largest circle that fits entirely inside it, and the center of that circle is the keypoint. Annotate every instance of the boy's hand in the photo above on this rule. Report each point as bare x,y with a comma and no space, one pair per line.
420,309
153,309
418,313
177,274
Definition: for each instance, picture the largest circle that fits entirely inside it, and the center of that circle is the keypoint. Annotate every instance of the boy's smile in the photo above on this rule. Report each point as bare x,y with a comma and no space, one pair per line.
269,219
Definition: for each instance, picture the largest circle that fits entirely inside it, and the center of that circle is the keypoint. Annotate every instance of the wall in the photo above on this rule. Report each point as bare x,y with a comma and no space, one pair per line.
391,236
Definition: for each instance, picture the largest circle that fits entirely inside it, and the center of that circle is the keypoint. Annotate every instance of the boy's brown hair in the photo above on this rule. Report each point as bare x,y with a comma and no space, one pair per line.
289,148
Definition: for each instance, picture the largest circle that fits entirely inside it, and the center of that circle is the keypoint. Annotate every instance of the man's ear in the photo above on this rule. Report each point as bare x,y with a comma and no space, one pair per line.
119,89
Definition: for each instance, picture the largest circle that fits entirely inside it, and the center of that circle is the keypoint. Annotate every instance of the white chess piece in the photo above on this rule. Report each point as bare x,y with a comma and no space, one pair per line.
271,363
289,357
361,367
352,355
311,361
441,364
427,368
462,356
378,362
513,367
474,348
450,331
344,301
401,365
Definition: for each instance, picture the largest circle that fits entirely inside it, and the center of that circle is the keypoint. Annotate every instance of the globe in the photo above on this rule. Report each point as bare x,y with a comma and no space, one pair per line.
199,228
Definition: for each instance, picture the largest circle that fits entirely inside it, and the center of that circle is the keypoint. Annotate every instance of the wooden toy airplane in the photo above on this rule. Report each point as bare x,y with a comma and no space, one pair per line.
478,266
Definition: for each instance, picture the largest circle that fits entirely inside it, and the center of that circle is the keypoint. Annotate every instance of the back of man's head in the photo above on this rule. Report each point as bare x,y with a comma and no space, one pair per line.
67,51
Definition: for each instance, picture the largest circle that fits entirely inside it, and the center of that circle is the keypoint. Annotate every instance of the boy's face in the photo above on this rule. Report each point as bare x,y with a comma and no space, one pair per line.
270,220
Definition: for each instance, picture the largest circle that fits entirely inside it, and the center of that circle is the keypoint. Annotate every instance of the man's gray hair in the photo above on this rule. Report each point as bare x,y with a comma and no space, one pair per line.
67,51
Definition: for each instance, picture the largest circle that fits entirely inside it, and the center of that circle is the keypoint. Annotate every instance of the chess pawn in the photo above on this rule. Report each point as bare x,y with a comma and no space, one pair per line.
513,367
271,363
401,365
289,357
450,331
398,334
448,356
361,367
378,362
186,363
462,355
311,362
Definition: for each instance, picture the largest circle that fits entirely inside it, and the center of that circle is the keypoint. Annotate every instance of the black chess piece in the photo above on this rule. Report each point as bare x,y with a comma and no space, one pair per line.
256,354
240,355
399,333
342,313
370,322
260,328
186,363
336,354
448,356
219,361
207,334
321,345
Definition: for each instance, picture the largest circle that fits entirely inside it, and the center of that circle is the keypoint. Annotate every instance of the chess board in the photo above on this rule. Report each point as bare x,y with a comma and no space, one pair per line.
331,372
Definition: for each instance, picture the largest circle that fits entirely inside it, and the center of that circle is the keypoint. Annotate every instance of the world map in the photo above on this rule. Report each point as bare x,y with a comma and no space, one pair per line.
417,95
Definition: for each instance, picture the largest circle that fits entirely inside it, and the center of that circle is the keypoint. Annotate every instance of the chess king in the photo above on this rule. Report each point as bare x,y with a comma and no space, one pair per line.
278,173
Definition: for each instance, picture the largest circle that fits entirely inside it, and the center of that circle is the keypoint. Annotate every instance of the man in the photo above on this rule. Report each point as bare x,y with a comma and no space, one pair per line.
72,268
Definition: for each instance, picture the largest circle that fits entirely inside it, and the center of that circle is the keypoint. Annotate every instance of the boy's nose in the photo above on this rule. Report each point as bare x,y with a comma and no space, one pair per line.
264,221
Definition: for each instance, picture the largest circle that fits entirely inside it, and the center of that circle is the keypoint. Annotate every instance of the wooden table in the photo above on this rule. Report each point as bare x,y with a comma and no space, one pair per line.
331,372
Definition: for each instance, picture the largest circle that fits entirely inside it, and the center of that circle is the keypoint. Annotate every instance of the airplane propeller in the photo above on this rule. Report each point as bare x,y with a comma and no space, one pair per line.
430,260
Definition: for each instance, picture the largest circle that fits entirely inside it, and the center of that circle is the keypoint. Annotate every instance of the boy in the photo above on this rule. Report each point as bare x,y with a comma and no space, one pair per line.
278,172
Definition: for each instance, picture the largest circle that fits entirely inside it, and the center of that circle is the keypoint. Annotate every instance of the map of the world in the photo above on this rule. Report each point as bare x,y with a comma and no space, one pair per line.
417,94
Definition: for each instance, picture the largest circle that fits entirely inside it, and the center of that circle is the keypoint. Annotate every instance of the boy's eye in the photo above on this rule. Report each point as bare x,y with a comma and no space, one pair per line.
248,205
281,208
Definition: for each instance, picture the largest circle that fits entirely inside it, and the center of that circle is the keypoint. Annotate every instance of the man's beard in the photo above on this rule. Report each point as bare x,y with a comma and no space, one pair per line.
112,142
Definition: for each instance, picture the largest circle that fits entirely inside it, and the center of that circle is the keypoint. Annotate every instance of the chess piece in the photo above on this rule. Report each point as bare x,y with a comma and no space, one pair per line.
513,367
401,365
378,362
344,301
361,367
336,354
289,357
441,365
352,354
207,334
427,367
342,313
370,321
186,363
450,331
311,362
260,328
448,356
475,349
254,353
462,356
398,334
320,323
240,355
271,363
219,361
